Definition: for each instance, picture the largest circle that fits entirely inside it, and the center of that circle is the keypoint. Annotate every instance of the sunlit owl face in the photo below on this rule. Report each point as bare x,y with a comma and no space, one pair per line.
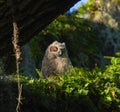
57,48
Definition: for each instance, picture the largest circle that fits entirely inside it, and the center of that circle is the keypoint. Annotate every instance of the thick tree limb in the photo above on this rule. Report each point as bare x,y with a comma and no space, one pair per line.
33,17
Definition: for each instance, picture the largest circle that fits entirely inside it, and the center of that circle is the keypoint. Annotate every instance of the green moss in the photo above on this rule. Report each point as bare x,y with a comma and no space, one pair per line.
87,91
80,90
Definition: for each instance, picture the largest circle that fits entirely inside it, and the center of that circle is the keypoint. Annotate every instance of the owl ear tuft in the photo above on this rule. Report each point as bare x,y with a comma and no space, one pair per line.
55,42
63,43
53,49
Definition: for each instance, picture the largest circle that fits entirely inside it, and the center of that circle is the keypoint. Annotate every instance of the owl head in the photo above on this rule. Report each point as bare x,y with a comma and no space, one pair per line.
57,49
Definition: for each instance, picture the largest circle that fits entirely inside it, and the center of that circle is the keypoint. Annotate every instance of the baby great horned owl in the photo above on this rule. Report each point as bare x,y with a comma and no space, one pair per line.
56,60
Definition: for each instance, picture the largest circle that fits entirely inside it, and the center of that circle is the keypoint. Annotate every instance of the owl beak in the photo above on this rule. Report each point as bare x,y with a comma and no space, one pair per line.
61,52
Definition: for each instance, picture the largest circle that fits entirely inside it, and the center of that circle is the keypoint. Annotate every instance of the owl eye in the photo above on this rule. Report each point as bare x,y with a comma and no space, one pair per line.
53,49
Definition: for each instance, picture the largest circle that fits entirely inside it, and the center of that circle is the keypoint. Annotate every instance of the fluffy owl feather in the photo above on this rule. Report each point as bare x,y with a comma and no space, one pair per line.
56,60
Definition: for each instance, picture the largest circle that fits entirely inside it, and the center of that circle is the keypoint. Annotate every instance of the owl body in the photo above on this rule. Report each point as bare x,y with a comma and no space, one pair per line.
56,60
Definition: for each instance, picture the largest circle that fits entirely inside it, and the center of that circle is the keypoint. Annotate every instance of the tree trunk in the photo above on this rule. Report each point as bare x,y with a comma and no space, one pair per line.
32,18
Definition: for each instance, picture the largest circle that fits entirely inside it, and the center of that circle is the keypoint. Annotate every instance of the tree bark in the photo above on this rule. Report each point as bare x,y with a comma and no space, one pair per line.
32,18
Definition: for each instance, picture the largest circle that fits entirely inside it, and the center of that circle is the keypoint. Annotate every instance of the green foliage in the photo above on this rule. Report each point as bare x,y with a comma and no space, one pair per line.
116,1
79,35
90,8
88,91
